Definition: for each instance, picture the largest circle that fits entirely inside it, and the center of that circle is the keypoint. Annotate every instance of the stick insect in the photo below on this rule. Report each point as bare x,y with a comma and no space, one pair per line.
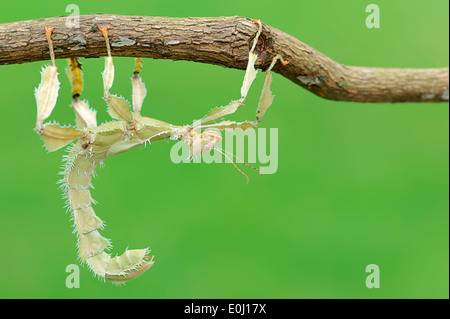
128,130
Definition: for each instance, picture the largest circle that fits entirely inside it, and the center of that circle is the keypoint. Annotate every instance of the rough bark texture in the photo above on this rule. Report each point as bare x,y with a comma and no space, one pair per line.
224,41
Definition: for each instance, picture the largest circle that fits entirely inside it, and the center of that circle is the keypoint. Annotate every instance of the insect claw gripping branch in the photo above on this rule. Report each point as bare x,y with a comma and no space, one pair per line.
129,129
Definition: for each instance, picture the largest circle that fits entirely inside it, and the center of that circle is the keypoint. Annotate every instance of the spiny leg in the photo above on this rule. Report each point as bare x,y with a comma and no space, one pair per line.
264,103
250,74
118,108
266,98
139,90
53,135
197,141
75,74
108,73
85,117
47,92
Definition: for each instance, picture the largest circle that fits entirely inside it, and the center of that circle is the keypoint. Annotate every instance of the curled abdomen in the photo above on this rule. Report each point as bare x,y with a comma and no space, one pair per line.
78,174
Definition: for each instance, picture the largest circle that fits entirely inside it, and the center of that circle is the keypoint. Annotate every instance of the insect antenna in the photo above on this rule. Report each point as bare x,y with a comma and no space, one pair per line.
231,160
246,164
222,151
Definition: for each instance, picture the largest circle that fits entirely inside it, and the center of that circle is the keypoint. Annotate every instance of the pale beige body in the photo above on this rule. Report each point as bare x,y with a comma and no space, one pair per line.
95,144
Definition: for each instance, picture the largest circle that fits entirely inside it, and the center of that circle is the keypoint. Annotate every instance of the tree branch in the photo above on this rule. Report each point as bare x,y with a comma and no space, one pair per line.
224,41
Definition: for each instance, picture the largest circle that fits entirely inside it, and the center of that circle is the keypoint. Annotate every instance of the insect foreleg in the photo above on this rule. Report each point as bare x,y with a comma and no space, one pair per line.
264,103
250,74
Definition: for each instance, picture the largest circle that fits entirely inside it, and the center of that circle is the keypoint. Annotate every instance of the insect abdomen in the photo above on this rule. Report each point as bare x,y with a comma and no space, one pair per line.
91,245
78,181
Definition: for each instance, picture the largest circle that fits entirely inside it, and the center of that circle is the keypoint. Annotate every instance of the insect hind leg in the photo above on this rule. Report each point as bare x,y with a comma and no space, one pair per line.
53,135
266,97
47,92
84,116
118,107
139,90
108,73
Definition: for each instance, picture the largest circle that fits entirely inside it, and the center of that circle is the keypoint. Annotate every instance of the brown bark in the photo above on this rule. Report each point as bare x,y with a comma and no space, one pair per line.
223,41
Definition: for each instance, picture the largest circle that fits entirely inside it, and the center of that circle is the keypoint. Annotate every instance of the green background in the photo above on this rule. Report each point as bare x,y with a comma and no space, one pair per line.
356,184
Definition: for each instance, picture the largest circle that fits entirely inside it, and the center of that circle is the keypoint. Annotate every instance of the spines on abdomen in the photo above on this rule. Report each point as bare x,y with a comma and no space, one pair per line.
77,181
78,173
